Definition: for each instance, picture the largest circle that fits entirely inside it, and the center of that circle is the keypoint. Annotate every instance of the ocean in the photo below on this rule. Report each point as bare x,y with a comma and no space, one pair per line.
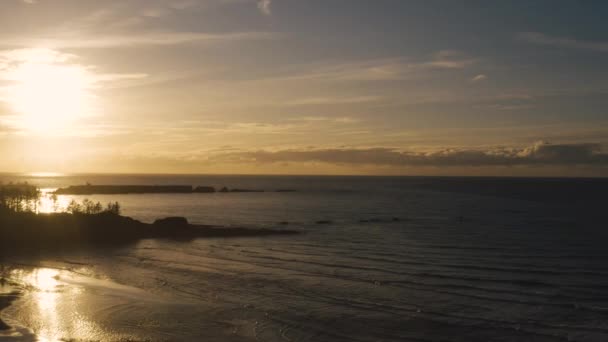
378,259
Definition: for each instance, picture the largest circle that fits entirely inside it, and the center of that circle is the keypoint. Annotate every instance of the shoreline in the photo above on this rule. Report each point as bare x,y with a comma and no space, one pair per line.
6,299
30,231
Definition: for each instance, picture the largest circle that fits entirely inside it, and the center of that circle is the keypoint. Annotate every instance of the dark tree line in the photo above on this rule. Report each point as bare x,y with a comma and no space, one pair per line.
20,197
23,197
89,207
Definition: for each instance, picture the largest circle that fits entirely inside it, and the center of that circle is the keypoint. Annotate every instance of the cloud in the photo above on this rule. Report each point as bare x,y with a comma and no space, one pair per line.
155,12
385,69
341,119
501,106
265,6
333,100
586,153
12,59
480,77
537,154
449,59
566,42
162,9
134,40
35,55
220,128
4,128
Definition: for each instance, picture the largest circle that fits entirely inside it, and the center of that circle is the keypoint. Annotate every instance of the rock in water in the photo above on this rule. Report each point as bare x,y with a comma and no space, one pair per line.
204,189
175,221
324,222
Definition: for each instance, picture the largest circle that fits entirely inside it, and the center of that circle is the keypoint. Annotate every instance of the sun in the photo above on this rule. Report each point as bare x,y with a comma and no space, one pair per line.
49,93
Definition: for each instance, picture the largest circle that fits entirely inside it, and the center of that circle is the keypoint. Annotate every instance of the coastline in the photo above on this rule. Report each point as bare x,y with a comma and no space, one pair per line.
38,302
29,231
6,299
497,269
5,302
25,233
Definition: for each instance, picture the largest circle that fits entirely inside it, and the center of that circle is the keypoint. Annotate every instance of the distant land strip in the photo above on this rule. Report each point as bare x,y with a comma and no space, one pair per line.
148,189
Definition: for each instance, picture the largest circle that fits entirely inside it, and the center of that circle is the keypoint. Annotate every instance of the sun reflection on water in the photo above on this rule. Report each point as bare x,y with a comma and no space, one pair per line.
53,307
46,202
45,280
44,174
50,203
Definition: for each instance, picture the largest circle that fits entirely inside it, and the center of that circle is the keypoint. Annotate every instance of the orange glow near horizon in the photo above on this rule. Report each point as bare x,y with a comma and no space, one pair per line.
45,174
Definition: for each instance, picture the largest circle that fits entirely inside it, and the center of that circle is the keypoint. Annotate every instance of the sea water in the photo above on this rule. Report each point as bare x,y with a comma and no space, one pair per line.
396,259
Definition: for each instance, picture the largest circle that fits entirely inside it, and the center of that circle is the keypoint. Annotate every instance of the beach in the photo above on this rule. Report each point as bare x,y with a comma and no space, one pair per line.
5,300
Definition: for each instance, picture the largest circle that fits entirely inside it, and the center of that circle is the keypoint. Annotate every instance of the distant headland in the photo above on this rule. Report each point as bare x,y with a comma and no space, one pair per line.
90,223
89,189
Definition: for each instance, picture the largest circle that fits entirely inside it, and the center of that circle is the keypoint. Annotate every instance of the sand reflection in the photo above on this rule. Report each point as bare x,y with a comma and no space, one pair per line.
45,281
52,305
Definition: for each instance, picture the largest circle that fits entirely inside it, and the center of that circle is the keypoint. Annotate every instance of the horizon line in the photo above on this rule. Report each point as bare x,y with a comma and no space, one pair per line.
61,174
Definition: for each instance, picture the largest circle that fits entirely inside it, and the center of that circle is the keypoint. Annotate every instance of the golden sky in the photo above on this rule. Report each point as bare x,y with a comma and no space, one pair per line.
303,87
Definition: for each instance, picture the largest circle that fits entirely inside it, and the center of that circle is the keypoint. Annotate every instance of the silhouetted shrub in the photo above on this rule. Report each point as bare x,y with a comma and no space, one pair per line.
113,208
24,198
20,197
74,207
88,207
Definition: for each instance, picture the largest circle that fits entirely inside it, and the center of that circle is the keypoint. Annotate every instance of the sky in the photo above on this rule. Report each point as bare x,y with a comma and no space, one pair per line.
367,87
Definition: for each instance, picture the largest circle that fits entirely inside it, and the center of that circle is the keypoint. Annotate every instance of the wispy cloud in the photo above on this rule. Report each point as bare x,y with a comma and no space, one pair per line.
565,42
12,59
387,69
479,78
192,129
265,6
312,101
538,154
501,106
133,40
449,59
341,119
158,10
35,55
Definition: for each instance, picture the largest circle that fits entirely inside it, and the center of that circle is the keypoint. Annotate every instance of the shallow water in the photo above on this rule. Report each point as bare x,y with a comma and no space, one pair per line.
459,265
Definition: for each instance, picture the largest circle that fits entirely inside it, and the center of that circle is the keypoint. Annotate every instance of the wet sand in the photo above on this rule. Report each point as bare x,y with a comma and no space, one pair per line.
69,300
7,296
55,303
5,301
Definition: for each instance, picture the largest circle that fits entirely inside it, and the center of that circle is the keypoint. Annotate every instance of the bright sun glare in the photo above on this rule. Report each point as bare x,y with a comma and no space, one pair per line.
48,93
